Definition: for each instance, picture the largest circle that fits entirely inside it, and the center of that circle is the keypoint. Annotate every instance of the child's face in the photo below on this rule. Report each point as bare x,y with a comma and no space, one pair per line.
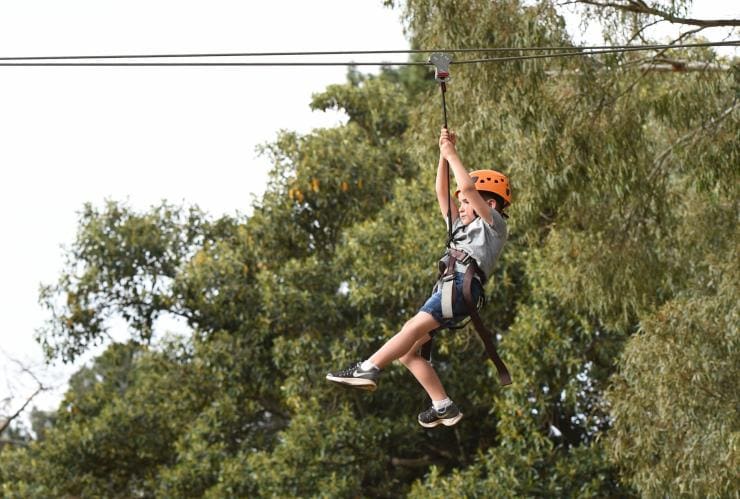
467,214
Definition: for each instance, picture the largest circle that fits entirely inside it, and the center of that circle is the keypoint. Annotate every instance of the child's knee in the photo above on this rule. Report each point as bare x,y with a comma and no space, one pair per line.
408,358
416,327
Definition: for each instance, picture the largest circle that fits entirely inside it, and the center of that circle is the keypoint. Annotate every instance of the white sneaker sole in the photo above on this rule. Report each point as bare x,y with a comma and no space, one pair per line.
360,383
446,422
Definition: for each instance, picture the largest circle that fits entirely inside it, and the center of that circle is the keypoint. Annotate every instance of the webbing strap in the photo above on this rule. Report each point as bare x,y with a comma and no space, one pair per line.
483,332
448,286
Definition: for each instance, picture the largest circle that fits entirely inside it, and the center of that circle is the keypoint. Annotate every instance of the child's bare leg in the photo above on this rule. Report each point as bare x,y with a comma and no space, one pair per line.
415,329
423,371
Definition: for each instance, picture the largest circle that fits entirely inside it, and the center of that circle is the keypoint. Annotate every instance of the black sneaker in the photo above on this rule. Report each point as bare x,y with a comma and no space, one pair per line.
447,416
355,377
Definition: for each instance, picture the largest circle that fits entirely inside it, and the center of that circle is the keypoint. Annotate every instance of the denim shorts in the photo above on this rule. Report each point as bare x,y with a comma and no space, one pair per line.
433,304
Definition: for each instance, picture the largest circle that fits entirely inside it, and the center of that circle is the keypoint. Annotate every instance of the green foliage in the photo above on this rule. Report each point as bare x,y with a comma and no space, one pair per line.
334,467
612,177
121,263
615,300
115,426
675,401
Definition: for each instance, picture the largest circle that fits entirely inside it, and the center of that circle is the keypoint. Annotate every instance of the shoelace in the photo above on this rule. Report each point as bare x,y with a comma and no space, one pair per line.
350,369
430,414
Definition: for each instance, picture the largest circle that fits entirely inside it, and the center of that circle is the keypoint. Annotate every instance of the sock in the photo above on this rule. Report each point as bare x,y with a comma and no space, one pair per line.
441,405
368,366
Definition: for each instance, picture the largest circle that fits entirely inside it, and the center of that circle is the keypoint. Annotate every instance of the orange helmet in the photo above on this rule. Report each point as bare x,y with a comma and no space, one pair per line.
492,181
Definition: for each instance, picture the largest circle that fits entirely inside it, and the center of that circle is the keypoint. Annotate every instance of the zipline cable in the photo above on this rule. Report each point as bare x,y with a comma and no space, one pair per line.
367,52
563,51
221,64
570,54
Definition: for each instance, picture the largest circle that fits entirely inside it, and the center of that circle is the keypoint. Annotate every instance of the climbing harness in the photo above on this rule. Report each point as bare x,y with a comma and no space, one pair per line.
459,261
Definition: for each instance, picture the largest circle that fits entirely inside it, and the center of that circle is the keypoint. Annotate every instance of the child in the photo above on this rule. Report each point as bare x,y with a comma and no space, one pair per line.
479,230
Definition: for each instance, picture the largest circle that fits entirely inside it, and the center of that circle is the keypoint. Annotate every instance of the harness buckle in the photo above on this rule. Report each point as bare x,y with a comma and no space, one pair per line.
461,257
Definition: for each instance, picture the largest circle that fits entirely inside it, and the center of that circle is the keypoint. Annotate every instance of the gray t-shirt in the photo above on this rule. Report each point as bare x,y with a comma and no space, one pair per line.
480,240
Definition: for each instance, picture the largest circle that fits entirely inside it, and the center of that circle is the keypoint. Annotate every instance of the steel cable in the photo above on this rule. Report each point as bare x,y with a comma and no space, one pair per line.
38,61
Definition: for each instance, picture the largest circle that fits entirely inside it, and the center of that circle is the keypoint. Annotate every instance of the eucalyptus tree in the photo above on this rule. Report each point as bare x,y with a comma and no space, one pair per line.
614,301
625,212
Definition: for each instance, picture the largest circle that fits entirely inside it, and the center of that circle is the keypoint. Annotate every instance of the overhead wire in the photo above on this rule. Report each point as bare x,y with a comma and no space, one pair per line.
222,64
42,61
373,52
623,49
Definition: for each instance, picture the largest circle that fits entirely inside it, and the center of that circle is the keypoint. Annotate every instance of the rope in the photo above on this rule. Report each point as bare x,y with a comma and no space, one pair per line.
443,88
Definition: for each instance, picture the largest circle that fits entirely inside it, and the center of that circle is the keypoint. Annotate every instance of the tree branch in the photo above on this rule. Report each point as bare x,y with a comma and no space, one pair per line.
662,65
638,7
683,66
645,69
6,422
4,425
690,137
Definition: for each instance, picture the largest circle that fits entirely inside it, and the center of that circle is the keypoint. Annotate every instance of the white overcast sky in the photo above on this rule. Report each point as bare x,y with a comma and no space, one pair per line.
188,135
141,135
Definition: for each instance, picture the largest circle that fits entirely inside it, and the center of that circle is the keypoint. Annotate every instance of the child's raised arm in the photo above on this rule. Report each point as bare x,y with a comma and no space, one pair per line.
442,186
464,182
